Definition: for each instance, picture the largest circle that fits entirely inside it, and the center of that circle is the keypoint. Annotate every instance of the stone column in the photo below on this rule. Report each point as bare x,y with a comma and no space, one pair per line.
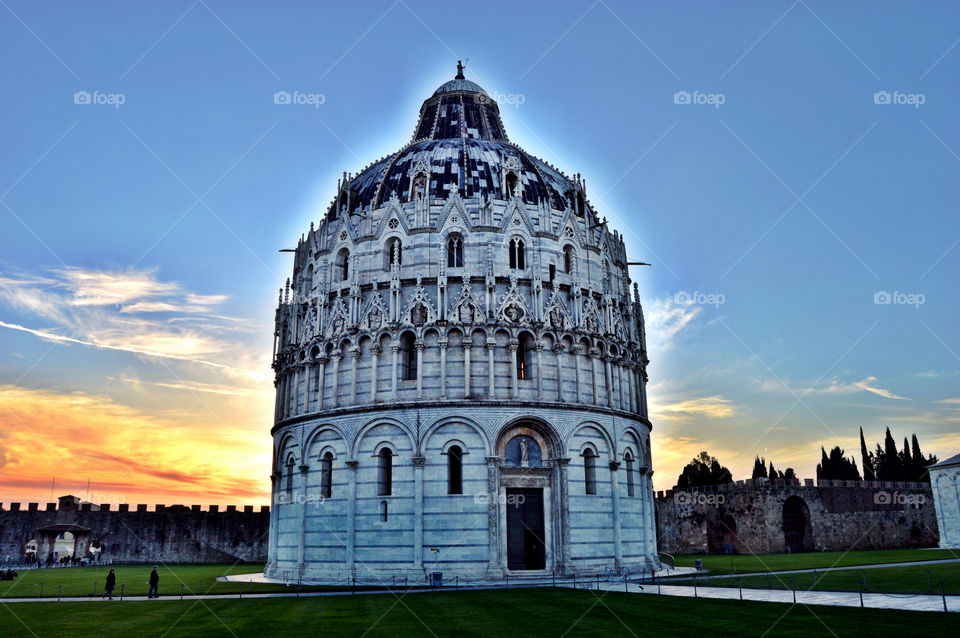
651,524
418,463
351,512
539,373
628,371
493,523
295,394
575,352
593,354
337,356
375,350
395,348
615,494
558,351
274,520
514,382
302,520
307,374
491,344
277,386
607,381
355,355
467,345
443,343
563,465
420,346
322,382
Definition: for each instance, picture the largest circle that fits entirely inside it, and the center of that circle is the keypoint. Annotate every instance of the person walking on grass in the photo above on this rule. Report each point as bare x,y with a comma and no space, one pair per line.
154,583
109,586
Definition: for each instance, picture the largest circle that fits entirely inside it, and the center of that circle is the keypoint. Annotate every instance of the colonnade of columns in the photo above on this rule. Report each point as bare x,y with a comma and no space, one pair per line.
302,388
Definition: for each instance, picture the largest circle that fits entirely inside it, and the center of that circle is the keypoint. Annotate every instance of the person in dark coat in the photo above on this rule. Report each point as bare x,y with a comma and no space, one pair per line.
154,583
109,585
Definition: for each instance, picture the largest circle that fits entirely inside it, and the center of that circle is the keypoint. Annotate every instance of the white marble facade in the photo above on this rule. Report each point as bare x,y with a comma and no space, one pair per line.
945,482
459,339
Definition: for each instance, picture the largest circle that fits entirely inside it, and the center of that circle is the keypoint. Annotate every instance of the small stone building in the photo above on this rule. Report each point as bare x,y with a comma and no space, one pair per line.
945,479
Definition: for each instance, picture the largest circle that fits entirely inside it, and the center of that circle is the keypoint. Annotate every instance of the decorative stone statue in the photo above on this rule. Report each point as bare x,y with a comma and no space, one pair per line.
524,458
418,316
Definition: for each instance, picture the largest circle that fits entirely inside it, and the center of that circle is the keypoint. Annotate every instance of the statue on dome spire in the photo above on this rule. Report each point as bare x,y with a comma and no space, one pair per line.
459,75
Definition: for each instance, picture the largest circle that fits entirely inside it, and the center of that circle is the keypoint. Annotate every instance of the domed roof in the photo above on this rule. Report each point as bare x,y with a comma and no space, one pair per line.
461,142
459,84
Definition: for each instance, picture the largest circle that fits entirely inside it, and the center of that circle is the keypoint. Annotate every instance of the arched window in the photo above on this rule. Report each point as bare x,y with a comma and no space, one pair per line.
408,356
385,473
342,265
392,252
455,470
524,356
326,475
383,511
419,186
568,259
289,486
628,461
590,471
454,251
517,254
511,184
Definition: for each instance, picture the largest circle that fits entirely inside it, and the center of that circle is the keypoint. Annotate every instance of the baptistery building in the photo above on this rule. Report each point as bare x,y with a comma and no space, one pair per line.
460,371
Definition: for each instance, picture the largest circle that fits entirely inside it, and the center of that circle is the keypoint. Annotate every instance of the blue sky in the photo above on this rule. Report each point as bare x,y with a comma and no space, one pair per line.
148,231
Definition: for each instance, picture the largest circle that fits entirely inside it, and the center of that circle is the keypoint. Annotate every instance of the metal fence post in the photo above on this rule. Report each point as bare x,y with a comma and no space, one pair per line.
863,573
860,589
121,592
199,588
793,586
943,595
241,591
58,592
694,587
41,589
814,580
181,591
741,588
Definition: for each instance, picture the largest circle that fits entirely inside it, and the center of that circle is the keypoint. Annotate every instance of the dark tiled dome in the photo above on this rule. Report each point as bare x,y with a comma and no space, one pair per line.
461,140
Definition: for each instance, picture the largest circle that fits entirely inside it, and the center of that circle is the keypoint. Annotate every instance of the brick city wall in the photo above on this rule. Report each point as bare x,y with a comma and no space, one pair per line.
173,534
748,517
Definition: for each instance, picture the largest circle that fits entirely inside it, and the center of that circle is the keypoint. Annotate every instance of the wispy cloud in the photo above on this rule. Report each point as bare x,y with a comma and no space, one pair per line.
665,319
828,387
129,311
715,407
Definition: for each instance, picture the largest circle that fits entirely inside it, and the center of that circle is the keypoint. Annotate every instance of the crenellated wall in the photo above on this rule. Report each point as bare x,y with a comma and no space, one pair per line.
755,517
171,534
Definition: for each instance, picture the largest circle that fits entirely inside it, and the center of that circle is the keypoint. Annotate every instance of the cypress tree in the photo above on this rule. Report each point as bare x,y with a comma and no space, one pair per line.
865,460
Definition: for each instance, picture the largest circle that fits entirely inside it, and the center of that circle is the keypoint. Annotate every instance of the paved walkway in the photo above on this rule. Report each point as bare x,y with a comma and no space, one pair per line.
905,602
821,570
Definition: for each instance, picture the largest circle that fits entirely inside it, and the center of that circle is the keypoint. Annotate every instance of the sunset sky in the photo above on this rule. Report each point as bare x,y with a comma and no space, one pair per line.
139,233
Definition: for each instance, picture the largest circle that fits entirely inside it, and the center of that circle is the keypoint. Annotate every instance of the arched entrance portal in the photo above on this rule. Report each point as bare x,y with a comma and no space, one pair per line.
796,521
528,501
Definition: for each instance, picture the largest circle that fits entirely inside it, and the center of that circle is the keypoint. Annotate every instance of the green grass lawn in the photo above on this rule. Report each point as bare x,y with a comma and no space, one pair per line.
911,579
83,581
528,613
745,563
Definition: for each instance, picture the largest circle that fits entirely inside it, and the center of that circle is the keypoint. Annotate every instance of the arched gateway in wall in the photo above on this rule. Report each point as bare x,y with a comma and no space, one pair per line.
460,371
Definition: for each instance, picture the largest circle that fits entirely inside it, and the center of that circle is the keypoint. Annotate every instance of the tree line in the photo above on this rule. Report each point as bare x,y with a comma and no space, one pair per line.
885,463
